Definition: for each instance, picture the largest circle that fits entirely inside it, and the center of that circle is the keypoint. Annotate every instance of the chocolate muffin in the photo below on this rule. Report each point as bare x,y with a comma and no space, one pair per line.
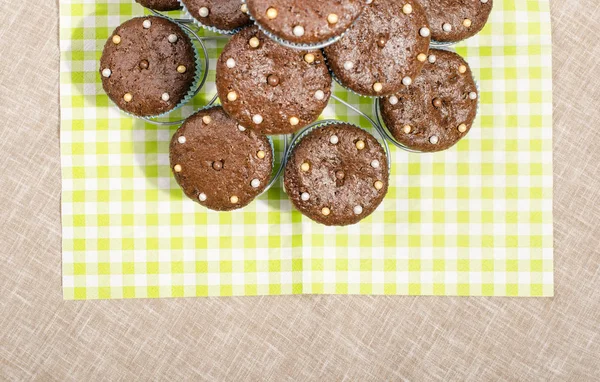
438,109
218,163
271,88
337,174
148,66
305,23
455,20
384,50
160,5
225,16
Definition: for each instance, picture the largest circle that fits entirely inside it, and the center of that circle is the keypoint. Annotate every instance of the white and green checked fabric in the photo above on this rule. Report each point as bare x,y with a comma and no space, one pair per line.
475,220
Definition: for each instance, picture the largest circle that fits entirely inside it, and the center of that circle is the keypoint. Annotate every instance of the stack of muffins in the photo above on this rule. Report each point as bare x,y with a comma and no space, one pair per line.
274,77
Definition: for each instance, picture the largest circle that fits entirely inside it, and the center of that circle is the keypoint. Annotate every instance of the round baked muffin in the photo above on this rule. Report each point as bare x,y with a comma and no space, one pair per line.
456,20
160,5
271,88
218,163
225,16
305,23
337,174
148,66
384,50
438,109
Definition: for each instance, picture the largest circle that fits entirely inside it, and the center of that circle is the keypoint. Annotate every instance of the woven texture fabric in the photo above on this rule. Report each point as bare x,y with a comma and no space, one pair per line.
474,220
311,338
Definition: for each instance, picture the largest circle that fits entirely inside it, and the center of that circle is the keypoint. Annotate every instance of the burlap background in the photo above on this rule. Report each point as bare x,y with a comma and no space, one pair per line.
299,338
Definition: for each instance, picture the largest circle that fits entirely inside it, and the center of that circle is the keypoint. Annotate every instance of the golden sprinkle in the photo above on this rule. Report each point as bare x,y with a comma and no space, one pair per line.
378,185
234,199
244,8
407,129
467,22
332,18
462,69
261,154
127,97
462,128
177,168
206,119
305,167
377,86
407,9
232,96
422,57
254,42
294,121
116,39
325,211
272,13
360,145
309,57
181,69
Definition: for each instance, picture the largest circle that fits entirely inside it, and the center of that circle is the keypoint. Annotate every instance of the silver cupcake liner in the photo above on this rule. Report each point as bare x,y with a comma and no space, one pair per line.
390,136
200,75
294,45
193,19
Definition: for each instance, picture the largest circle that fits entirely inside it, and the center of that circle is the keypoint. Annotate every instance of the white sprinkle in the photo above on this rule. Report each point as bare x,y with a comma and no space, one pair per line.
181,139
165,97
432,58
334,139
407,81
203,12
320,95
434,139
424,32
106,73
375,163
231,63
447,27
393,100
348,65
473,95
358,210
255,183
202,197
484,1
147,24
298,31
172,38
241,128
257,119
305,196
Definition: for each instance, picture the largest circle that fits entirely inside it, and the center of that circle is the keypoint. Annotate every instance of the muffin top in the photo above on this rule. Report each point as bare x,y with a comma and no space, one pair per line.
337,174
305,21
271,88
218,163
225,15
455,20
148,66
384,50
160,5
438,109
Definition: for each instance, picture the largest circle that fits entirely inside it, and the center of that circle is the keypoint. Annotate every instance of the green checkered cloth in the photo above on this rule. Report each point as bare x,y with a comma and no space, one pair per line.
474,220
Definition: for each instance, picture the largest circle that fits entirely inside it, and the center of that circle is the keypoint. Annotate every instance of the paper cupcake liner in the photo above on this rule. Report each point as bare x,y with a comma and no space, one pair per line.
328,122
294,45
197,83
390,137
207,27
